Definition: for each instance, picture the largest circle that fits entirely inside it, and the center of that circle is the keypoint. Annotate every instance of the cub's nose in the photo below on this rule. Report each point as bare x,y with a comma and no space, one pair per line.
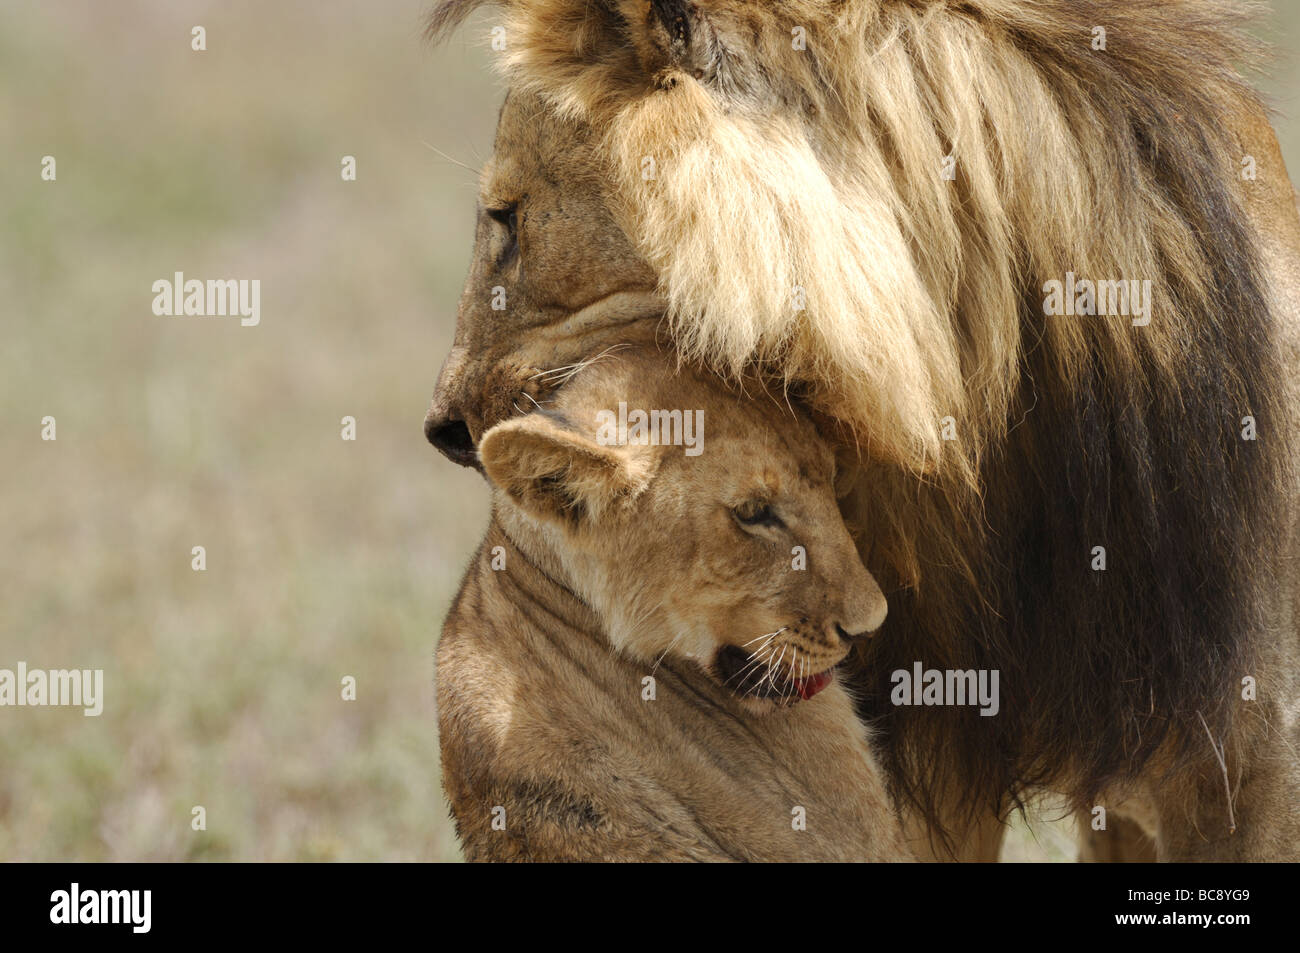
850,638
451,437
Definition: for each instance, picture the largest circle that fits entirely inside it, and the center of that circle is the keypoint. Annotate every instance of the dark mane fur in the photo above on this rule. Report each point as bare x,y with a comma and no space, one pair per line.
1101,670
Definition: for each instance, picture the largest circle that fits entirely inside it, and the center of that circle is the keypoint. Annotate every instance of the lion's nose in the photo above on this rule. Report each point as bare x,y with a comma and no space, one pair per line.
452,438
444,424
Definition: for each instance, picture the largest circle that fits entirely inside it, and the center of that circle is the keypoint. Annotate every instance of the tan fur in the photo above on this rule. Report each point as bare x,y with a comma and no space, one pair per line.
820,169
541,715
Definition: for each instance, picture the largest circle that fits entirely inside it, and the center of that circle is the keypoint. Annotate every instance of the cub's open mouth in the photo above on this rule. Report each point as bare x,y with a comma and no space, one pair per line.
744,675
810,686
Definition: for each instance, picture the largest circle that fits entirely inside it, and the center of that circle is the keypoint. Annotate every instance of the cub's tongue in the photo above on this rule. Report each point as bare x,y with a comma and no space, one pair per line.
810,686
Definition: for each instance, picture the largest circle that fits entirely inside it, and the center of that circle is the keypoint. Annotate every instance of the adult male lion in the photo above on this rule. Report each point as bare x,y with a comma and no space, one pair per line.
880,199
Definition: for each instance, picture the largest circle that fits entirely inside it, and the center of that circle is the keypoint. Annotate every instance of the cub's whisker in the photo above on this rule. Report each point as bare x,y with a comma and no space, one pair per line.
770,635
755,659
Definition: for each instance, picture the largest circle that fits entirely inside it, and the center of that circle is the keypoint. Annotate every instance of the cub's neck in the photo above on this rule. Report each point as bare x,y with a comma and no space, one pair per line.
533,572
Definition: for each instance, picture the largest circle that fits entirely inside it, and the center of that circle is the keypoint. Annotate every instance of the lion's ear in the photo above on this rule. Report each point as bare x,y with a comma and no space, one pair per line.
672,34
555,472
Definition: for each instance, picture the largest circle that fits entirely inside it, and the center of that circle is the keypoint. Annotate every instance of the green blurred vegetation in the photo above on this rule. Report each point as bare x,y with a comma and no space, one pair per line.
325,558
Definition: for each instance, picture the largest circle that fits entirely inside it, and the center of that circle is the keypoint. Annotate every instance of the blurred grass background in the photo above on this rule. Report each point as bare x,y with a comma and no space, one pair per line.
325,558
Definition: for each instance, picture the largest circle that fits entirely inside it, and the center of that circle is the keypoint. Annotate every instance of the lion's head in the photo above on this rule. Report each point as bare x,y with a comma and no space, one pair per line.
553,276
726,548
633,164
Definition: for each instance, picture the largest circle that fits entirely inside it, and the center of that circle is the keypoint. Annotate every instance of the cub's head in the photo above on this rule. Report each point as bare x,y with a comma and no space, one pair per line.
712,533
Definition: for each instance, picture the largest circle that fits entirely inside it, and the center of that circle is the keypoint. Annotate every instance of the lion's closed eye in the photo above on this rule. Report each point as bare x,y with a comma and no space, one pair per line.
757,513
506,216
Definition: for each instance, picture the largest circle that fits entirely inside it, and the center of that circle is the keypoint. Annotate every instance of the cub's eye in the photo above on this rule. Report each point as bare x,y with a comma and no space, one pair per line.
757,513
507,215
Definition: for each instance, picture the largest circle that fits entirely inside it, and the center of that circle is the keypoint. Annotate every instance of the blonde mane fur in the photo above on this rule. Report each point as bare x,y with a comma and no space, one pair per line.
823,172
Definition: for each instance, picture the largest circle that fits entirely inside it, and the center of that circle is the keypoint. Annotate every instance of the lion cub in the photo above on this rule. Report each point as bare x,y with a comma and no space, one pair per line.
638,665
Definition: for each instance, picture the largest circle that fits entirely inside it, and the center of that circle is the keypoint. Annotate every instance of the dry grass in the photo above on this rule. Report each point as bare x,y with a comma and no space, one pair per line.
325,558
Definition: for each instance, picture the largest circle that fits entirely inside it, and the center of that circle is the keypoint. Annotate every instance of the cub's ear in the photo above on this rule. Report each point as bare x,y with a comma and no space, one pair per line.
556,472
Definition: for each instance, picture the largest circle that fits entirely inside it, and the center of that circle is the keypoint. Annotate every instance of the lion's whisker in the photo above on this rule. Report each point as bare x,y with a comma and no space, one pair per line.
567,371
472,171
